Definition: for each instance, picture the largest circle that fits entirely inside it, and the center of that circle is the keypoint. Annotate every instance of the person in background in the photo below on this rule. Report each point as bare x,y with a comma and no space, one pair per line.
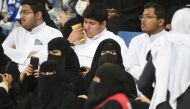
170,67
86,39
108,89
32,37
109,51
152,24
5,99
80,6
52,91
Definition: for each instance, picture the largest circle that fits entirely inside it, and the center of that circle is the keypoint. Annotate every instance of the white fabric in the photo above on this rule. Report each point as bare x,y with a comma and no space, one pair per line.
4,8
138,49
26,41
180,22
81,6
1,4
3,85
85,51
172,62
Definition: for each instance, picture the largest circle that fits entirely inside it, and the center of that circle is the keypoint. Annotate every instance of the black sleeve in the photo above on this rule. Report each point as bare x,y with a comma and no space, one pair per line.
5,101
146,79
112,104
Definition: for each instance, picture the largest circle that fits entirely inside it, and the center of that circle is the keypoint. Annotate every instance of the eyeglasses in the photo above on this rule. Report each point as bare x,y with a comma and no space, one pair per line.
25,12
146,17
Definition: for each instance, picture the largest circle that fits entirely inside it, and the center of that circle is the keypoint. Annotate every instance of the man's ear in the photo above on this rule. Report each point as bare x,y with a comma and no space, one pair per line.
161,22
103,24
39,15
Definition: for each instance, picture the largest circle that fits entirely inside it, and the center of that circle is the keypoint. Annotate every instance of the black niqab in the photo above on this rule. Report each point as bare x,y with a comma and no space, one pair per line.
50,81
72,67
113,79
104,45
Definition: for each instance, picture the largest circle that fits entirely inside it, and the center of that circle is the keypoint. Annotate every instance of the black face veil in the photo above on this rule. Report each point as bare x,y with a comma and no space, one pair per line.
113,79
105,45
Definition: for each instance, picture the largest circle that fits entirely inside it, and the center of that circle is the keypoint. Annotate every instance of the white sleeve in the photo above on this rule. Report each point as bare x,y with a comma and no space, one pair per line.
3,85
133,66
19,56
123,52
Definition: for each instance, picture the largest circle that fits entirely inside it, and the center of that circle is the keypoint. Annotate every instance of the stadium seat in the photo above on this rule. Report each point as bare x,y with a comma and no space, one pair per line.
127,35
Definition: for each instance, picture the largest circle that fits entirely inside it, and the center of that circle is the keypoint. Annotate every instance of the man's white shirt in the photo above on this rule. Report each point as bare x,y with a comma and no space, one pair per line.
26,41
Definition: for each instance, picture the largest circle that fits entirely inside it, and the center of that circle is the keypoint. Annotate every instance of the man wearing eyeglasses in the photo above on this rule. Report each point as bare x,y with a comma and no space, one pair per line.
31,39
152,24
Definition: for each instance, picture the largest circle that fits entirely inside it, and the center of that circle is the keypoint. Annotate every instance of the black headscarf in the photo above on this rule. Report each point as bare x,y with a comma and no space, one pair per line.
10,67
50,80
4,58
113,79
104,45
72,67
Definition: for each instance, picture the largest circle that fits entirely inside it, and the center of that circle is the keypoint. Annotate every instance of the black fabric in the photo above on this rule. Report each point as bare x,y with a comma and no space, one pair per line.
116,47
48,84
10,67
113,79
66,29
183,100
107,58
88,78
72,67
5,100
165,105
129,11
4,58
136,104
146,79
15,90
2,36
117,23
52,92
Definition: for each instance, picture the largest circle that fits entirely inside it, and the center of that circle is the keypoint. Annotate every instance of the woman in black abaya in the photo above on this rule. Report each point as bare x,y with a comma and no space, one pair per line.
109,51
108,85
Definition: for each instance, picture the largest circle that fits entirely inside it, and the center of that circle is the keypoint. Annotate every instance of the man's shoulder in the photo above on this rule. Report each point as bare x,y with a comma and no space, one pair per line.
140,37
18,30
51,28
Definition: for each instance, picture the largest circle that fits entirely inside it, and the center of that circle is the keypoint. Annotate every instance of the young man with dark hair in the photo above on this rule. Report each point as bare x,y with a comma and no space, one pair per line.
94,31
152,24
32,37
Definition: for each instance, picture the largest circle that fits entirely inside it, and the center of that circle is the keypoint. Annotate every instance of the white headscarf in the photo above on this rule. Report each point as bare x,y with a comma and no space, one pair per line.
180,22
172,62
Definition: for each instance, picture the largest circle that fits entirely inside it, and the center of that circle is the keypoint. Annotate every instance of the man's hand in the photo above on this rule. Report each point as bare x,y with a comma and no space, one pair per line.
36,73
28,70
76,35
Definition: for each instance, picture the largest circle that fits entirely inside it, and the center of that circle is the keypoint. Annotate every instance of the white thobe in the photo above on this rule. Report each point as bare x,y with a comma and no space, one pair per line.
137,52
172,62
21,42
85,51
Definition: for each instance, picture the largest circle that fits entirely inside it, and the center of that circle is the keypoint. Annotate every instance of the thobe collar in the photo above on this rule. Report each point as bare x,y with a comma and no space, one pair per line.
155,36
38,28
98,35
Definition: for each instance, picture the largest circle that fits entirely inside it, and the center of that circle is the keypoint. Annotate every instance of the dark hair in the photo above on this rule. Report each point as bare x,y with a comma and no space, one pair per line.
36,5
159,9
96,12
39,5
